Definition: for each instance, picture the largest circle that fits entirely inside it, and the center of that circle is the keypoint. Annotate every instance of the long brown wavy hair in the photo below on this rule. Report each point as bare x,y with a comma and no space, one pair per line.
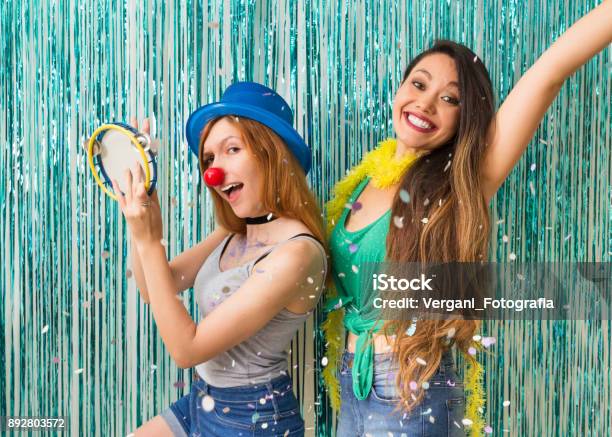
444,185
285,190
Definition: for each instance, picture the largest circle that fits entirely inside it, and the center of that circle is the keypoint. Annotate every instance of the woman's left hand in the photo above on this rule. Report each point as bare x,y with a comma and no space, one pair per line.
142,212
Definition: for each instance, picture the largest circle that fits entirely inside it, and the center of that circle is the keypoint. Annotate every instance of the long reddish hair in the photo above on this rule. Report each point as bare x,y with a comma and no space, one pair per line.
285,191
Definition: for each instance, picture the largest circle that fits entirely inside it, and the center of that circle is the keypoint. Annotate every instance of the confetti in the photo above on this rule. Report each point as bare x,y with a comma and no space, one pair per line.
512,256
505,238
425,385
476,337
413,386
450,383
356,206
310,280
532,188
475,59
164,242
79,371
355,268
324,361
404,196
262,401
451,333
226,410
425,220
55,360
254,417
264,425
421,361
472,351
45,329
105,254
506,403
398,222
411,329
432,419
448,164
488,341
533,167
488,429
467,422
353,248
426,202
208,403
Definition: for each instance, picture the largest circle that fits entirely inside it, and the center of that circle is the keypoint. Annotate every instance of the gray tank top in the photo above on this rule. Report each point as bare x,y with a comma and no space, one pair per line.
261,357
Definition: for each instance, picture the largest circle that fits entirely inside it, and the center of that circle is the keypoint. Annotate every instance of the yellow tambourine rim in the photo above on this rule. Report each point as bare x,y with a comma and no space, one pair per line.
135,142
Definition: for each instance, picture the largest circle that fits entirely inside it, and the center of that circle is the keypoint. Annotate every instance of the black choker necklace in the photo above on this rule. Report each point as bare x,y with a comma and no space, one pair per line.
260,220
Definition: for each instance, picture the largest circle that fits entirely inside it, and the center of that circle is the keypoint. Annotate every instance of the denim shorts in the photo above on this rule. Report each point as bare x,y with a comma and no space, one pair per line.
267,409
439,414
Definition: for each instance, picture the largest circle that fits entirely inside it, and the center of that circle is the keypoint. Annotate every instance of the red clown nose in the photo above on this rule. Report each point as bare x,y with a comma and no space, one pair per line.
214,176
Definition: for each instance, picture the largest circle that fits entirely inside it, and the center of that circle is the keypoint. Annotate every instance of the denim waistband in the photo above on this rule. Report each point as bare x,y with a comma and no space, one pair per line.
278,386
386,359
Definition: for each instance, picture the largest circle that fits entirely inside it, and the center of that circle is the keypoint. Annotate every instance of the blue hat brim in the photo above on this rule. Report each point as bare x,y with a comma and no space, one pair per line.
201,116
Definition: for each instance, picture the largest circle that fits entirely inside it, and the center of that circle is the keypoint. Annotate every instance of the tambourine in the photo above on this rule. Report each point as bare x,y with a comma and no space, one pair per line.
116,147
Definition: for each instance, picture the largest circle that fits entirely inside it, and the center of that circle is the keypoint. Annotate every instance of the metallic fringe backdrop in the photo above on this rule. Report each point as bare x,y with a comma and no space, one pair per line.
77,339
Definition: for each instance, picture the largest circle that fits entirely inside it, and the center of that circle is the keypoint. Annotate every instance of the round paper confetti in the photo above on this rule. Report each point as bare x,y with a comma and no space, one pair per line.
488,429
467,422
413,385
324,361
398,222
488,341
506,403
208,403
404,196
421,361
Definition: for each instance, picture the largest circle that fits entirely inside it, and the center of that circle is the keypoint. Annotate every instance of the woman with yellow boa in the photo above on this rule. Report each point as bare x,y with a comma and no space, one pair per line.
423,197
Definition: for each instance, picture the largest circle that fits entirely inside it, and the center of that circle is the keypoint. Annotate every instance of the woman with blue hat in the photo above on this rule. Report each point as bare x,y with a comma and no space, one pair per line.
256,278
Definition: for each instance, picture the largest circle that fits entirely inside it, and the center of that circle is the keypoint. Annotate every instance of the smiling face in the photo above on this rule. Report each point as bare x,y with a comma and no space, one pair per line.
426,106
225,148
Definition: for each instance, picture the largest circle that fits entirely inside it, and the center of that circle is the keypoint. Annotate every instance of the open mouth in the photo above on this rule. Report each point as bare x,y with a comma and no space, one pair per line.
232,191
419,124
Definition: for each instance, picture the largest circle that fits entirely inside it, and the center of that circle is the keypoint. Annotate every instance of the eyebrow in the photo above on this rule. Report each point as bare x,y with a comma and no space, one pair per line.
223,141
428,74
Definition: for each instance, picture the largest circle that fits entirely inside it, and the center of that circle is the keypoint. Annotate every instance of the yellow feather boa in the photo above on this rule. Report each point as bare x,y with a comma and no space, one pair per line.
384,170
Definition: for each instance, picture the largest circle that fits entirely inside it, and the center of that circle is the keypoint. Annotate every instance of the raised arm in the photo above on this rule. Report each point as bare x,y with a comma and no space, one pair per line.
519,116
289,272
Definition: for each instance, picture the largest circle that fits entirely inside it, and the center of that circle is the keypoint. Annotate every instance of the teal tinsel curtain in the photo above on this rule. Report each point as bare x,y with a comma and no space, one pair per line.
76,339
